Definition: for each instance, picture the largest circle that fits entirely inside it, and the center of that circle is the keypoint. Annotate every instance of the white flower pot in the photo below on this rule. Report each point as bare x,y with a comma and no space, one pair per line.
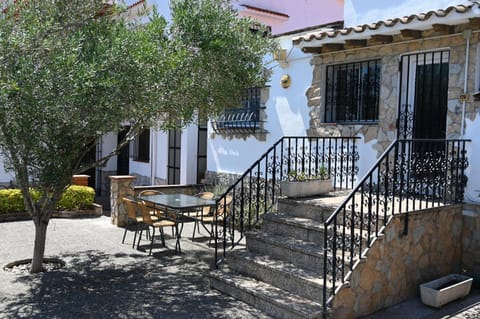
443,290
305,188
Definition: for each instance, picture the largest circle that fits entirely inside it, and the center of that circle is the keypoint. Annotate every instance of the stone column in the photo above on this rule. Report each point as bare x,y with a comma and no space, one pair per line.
120,186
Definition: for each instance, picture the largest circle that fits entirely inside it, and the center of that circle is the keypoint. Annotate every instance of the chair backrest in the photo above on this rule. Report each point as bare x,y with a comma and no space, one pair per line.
145,210
224,206
131,207
148,192
205,195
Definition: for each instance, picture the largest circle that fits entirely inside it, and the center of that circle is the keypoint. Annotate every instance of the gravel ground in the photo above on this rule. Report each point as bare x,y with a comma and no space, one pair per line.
103,278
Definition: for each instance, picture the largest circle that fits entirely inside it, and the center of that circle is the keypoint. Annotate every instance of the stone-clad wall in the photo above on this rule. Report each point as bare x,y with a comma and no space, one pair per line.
397,264
385,131
471,240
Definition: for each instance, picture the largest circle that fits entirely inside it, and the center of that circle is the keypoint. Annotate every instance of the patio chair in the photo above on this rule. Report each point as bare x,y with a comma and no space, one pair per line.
204,211
133,218
159,223
154,211
218,215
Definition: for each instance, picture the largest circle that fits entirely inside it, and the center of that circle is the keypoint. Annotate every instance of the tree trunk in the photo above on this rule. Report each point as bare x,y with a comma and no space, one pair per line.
39,247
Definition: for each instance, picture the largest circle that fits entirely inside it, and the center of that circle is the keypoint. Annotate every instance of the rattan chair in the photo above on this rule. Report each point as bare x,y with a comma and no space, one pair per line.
217,215
204,211
134,219
155,211
158,223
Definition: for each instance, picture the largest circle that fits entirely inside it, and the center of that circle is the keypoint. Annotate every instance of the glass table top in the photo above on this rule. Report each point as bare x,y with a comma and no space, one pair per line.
177,201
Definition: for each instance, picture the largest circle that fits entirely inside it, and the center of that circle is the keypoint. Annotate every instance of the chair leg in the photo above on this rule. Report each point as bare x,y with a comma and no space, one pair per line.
140,237
135,235
151,242
124,234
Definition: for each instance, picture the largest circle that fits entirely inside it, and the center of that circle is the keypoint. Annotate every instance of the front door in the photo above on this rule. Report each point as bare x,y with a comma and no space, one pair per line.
423,95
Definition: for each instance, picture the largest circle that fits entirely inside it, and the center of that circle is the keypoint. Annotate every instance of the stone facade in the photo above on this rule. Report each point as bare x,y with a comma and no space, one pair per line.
120,186
397,264
219,179
385,130
471,240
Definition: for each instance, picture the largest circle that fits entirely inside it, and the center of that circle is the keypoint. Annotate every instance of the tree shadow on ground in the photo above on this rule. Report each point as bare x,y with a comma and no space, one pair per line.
94,284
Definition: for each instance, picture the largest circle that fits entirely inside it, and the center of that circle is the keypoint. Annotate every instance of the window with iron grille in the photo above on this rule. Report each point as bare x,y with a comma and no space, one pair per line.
352,92
246,118
141,147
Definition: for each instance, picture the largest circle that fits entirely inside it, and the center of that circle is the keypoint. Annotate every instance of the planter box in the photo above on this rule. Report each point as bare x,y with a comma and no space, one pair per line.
305,188
441,291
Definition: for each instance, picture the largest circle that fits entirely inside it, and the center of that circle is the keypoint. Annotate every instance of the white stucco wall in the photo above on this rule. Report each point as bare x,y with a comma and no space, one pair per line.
301,14
287,115
5,177
472,131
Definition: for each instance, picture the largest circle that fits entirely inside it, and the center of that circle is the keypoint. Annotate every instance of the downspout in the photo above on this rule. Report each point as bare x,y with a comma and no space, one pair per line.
466,34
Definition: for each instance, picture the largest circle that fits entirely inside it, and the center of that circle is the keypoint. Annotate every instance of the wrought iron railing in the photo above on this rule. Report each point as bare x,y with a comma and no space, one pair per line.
256,191
410,175
233,120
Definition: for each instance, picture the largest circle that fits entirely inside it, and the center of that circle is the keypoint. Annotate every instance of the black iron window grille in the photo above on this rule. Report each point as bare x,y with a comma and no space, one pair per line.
352,92
245,119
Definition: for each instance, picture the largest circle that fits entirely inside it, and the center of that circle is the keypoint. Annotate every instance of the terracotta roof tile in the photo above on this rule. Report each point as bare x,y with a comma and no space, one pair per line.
387,23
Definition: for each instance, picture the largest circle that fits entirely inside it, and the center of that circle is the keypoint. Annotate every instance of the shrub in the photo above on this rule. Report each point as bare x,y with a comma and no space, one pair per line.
75,197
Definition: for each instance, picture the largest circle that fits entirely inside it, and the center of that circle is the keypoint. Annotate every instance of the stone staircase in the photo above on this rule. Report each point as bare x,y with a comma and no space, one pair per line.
281,269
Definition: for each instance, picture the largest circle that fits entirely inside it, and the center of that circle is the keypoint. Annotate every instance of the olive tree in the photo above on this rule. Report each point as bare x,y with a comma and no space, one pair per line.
72,71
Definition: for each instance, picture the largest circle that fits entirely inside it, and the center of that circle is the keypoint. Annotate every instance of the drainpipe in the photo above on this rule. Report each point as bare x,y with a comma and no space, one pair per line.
466,34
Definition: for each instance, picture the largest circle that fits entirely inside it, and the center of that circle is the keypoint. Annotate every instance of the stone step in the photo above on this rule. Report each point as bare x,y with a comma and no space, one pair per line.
274,301
297,227
318,208
296,251
281,274
306,229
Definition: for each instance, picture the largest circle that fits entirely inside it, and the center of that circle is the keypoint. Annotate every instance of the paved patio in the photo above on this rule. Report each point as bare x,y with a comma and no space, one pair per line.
106,279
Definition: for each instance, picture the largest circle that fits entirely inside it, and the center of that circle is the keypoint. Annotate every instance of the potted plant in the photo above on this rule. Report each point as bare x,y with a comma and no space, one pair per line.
302,185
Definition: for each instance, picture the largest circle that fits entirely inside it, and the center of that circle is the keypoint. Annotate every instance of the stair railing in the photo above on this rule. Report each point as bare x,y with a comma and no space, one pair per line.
410,175
253,194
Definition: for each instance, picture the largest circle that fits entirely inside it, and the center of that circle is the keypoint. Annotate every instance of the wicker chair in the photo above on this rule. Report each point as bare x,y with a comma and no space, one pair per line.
217,216
159,223
133,218
155,211
204,211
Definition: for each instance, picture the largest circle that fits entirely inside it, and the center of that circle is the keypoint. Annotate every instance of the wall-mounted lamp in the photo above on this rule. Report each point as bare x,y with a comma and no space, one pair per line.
285,81
280,56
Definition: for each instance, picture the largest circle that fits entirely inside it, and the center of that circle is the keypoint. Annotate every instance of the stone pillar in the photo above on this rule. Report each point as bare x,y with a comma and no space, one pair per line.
81,180
120,186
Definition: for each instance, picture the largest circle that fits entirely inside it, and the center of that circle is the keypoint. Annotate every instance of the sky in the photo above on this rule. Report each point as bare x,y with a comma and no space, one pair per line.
367,11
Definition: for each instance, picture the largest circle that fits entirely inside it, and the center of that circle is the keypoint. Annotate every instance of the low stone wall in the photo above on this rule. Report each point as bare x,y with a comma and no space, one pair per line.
124,186
396,264
95,211
471,241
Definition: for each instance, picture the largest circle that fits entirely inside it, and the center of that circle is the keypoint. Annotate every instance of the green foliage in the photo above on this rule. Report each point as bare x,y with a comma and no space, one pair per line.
294,176
75,197
11,201
69,75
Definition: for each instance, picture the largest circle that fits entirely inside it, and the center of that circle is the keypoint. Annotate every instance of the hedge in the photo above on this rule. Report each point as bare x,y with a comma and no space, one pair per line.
74,197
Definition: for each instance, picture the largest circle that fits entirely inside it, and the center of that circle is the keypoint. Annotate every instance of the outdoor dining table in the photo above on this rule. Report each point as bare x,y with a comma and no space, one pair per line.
180,205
